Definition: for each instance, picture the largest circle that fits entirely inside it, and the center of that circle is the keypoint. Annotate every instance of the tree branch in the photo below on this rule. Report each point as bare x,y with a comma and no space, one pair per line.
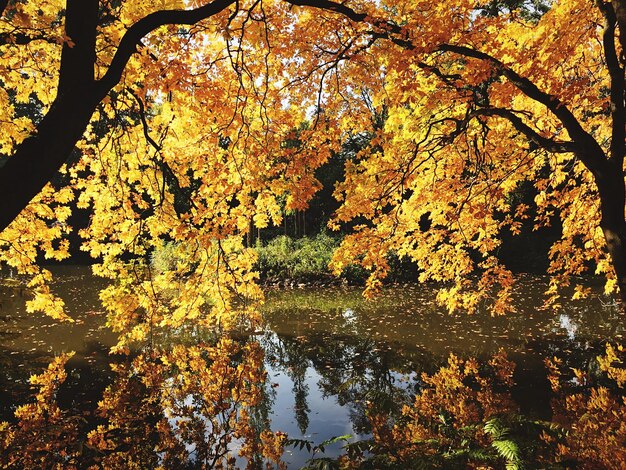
144,122
78,57
619,7
331,6
21,39
551,145
37,159
588,149
134,34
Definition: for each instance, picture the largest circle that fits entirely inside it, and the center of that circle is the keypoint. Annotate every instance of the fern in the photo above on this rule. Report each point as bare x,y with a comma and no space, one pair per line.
496,429
469,454
509,450
551,427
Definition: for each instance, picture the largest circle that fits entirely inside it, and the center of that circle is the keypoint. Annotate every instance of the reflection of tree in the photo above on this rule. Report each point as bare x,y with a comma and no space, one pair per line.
357,370
300,392
187,407
443,424
45,436
465,413
90,374
592,407
192,406
464,417
290,356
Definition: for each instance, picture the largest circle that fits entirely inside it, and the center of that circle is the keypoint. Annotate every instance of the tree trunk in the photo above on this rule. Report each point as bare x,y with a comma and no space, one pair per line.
39,157
615,237
610,184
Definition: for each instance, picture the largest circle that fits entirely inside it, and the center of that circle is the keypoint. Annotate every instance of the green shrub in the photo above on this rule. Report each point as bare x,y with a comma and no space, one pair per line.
302,259
294,259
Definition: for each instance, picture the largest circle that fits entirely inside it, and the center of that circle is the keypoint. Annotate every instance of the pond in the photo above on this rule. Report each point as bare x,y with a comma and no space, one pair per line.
328,352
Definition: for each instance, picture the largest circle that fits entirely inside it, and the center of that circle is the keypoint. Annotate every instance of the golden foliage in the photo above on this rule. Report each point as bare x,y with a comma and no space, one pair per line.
45,435
215,126
192,404
464,416
449,412
221,124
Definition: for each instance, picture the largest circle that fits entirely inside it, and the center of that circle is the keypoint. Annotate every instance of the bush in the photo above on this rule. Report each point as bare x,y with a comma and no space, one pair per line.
302,259
294,259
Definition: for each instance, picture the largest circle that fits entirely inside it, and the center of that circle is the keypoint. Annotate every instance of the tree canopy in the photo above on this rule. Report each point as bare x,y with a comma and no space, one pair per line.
184,122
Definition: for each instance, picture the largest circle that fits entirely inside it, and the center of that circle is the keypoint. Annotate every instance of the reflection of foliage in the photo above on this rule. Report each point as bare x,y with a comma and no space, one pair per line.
291,356
46,436
464,417
198,406
355,370
320,463
445,425
359,373
184,408
300,393
594,414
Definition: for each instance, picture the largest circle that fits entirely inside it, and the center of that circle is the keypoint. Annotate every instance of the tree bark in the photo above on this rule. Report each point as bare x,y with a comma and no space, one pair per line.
40,156
610,183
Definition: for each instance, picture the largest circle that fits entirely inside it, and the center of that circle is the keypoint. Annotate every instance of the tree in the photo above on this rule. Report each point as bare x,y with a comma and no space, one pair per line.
82,64
484,103
182,113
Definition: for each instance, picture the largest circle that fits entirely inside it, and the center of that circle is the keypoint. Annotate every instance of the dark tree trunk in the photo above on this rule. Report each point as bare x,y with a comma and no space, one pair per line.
610,178
615,236
40,156
610,184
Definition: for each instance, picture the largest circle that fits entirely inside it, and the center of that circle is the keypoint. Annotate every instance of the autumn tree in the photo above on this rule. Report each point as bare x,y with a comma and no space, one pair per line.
181,113
178,116
477,104
123,84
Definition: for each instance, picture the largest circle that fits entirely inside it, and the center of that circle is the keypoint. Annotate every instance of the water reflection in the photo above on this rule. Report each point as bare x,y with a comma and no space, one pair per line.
323,362
568,325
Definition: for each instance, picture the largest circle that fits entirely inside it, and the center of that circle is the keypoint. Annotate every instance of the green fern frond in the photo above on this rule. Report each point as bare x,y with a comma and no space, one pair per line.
496,428
507,449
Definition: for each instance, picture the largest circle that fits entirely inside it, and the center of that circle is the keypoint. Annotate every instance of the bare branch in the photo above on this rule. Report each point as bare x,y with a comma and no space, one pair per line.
144,122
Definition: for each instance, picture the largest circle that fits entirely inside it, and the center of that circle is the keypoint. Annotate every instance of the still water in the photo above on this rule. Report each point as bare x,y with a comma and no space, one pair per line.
328,352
